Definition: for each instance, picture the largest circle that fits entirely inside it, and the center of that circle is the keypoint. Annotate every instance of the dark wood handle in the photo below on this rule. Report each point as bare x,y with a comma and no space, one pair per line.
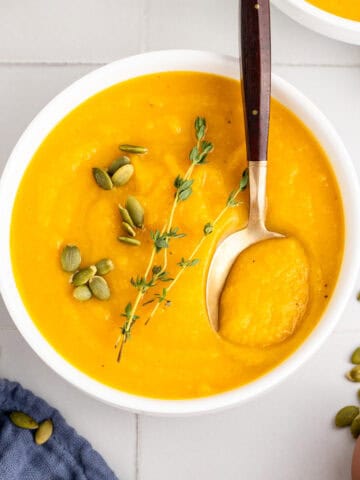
256,71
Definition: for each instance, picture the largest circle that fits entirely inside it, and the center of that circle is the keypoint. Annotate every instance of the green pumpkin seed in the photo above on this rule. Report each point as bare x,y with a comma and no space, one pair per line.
70,258
136,211
122,175
346,415
99,288
354,374
22,420
104,266
125,216
102,178
355,357
133,149
44,432
355,427
82,293
116,164
83,276
129,241
128,229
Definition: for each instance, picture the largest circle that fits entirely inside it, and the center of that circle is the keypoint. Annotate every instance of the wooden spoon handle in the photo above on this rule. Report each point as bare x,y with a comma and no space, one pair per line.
256,71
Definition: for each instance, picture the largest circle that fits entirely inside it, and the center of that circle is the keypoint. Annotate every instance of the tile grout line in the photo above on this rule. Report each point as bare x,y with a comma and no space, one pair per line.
31,63
137,446
143,48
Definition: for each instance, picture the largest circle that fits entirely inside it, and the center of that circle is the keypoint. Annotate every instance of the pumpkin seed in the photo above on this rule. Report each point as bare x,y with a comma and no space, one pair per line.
129,241
136,211
355,427
82,293
125,216
346,415
83,276
102,178
116,164
44,432
70,258
122,175
133,149
104,266
355,357
128,229
22,420
354,374
99,288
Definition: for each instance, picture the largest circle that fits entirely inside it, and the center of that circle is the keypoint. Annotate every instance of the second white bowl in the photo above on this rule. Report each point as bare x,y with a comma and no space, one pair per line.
321,21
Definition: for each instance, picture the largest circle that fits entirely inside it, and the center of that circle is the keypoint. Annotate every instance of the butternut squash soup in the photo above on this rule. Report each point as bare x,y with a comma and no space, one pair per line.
112,247
349,9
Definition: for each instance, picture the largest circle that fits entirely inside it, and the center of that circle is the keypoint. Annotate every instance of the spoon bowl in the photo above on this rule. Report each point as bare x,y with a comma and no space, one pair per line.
230,248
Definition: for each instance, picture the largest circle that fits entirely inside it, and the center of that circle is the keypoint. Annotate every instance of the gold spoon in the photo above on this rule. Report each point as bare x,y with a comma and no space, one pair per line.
256,84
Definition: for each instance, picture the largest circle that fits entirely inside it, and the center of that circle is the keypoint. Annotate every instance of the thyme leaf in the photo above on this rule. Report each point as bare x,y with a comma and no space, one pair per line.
127,314
161,296
183,188
244,180
141,284
185,263
200,128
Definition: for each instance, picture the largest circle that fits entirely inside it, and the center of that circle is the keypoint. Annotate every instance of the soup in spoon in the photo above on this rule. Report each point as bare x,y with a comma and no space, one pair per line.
266,293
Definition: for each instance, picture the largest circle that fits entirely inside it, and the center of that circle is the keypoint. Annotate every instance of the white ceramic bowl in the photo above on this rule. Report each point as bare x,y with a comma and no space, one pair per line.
116,72
320,21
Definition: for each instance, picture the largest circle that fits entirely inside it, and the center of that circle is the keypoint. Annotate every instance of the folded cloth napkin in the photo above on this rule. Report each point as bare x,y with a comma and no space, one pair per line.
66,456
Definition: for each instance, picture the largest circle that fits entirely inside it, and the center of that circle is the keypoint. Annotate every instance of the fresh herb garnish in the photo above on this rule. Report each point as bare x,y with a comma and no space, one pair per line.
162,238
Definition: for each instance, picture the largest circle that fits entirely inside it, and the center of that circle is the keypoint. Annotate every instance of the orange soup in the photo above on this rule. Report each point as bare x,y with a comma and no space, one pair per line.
349,9
175,354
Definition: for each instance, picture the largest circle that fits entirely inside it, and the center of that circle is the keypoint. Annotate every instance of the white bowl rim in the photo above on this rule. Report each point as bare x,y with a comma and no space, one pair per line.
321,21
99,79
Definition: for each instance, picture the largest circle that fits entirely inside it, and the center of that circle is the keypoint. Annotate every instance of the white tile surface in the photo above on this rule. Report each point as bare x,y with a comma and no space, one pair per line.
90,31
67,31
201,25
214,27
293,44
24,91
287,433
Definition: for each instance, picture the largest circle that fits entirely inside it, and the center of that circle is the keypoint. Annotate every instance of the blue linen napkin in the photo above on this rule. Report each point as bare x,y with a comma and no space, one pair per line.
66,456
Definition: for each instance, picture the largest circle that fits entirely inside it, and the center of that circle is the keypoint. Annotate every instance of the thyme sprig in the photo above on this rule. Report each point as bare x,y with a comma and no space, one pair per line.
231,202
161,239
